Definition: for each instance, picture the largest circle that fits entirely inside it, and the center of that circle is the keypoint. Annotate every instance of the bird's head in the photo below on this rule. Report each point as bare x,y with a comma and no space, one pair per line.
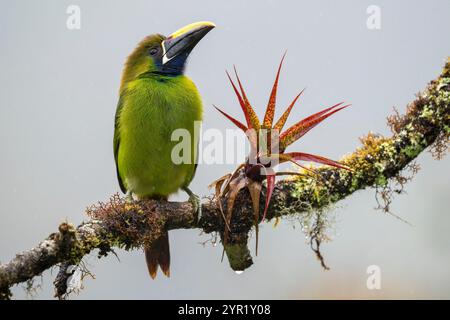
164,55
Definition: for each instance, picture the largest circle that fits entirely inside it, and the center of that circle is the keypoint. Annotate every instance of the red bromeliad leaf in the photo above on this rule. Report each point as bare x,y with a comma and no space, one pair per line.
270,178
318,114
288,173
300,156
302,127
231,178
218,195
248,110
241,102
235,186
280,123
270,111
239,124
284,157
303,167
310,121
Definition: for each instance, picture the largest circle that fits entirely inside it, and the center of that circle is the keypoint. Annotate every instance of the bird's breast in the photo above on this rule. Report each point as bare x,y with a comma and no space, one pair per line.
151,114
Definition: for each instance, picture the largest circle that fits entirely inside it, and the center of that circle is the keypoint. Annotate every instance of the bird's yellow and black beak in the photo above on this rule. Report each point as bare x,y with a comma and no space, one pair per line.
178,46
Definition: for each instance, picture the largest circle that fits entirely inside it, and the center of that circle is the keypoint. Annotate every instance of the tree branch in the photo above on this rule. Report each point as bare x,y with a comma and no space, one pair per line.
118,223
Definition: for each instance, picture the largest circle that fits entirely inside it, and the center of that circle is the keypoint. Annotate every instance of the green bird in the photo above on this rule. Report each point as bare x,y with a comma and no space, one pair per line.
156,98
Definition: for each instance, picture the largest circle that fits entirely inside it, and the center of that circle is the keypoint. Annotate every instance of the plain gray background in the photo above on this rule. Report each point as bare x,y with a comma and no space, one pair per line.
58,98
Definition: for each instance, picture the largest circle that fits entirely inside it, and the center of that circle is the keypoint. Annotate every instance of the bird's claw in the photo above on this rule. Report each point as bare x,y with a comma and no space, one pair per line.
196,203
129,197
195,200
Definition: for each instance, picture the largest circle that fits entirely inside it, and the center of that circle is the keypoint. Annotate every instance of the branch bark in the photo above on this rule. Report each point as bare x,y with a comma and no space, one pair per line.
118,223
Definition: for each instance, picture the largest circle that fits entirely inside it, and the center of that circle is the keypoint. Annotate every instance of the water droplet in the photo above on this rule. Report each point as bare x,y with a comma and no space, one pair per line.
239,271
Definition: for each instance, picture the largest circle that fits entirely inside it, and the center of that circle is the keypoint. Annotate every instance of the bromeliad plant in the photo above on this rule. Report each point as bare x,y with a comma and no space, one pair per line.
267,150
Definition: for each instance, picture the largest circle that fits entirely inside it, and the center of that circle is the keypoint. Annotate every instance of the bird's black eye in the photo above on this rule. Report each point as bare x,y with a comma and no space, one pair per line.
153,51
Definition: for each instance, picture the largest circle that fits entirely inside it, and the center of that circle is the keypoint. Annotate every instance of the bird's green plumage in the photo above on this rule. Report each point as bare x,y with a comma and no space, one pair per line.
155,100
151,106
150,109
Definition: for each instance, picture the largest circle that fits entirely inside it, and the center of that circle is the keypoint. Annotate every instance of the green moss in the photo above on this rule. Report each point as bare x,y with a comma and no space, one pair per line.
412,150
427,113
381,181
238,256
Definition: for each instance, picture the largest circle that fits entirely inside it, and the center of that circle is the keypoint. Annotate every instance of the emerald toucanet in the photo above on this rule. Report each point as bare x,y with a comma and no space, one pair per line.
156,98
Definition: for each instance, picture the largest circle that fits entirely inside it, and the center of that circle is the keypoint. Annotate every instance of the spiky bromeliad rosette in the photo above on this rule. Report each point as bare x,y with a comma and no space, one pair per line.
268,145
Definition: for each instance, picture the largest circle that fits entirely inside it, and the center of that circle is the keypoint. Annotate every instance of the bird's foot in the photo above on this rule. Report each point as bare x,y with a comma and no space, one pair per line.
196,203
129,197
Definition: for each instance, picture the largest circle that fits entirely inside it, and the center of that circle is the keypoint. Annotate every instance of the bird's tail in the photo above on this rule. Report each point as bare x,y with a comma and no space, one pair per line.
158,253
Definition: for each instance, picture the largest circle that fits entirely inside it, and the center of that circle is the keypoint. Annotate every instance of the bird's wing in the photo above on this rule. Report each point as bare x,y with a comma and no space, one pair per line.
117,142
189,179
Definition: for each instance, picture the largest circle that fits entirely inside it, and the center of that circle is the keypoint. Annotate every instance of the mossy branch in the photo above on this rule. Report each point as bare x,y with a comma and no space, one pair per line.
117,223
